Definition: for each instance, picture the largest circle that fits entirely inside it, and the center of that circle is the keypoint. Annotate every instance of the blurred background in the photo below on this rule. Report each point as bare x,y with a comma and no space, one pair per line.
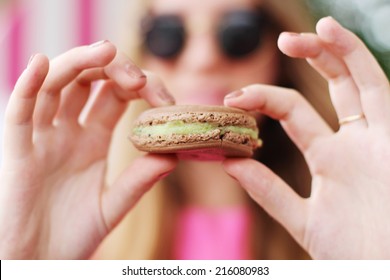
53,26
369,19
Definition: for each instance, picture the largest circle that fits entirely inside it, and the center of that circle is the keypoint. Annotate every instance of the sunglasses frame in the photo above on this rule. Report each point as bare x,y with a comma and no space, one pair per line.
256,19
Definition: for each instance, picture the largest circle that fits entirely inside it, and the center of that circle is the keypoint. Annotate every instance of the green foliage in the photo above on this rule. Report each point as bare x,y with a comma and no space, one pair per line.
369,19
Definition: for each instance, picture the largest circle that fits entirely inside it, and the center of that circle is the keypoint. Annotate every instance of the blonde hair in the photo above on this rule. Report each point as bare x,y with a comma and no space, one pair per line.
146,232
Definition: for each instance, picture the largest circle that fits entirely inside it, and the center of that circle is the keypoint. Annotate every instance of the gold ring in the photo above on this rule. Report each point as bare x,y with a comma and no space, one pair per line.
351,118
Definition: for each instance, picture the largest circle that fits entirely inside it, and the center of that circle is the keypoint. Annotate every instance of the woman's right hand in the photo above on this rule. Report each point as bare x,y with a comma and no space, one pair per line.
54,202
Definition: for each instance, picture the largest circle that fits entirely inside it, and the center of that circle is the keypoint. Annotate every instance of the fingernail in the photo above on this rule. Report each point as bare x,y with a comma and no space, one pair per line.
97,44
31,59
165,96
162,176
235,94
334,20
330,17
293,34
134,71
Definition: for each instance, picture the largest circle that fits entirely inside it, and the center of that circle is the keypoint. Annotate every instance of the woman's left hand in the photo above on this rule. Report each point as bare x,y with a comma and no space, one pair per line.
347,213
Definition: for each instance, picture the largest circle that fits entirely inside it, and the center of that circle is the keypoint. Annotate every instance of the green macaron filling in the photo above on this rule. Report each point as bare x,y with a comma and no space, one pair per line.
181,128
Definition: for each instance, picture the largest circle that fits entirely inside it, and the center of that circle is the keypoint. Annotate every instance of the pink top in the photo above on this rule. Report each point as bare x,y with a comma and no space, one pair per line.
213,234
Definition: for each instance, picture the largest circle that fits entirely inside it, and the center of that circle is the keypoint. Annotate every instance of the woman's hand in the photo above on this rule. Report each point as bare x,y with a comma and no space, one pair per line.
58,128
347,213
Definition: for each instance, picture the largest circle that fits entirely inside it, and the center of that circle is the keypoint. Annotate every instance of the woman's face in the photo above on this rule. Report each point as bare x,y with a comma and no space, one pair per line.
201,73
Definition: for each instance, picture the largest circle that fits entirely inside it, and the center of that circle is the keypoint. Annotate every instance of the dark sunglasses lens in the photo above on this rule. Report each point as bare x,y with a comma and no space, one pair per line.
240,33
165,36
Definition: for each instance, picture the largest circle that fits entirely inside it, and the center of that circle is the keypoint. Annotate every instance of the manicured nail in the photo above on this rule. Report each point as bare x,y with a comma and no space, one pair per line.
165,96
162,176
97,44
334,20
235,94
134,71
31,59
293,34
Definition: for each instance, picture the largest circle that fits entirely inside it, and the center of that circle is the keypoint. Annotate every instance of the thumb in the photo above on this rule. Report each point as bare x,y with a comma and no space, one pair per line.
136,180
270,192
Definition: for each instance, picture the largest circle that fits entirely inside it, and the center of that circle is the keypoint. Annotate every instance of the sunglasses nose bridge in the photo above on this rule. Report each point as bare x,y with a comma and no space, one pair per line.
201,51
199,26
201,48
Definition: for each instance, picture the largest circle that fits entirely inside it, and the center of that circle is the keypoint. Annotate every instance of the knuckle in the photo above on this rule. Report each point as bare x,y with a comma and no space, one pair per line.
295,96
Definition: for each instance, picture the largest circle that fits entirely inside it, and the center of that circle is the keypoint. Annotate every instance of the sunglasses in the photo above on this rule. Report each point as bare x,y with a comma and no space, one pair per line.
239,33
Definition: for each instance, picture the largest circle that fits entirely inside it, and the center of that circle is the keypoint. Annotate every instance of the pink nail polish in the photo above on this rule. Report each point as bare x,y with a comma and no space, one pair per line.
293,34
31,59
97,44
134,71
234,94
165,96
162,176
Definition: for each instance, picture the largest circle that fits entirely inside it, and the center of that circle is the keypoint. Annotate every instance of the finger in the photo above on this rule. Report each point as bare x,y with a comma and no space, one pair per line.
76,94
19,113
132,184
108,105
155,92
148,86
67,66
271,193
64,69
126,74
343,90
367,74
105,107
301,122
110,97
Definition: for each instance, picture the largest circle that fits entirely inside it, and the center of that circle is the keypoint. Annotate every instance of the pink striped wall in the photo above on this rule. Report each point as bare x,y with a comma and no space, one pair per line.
51,27
15,43
86,13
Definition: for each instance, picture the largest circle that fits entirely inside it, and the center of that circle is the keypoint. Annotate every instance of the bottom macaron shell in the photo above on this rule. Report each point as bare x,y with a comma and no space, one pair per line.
210,150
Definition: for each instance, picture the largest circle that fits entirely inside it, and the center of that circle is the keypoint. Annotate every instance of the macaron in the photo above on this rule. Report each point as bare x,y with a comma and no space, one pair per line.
196,132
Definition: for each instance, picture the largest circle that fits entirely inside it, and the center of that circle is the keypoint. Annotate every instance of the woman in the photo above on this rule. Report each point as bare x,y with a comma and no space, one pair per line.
202,73
65,200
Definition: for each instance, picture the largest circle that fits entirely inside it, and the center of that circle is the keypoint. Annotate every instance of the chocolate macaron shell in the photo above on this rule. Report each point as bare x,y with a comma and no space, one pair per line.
197,113
216,142
210,150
